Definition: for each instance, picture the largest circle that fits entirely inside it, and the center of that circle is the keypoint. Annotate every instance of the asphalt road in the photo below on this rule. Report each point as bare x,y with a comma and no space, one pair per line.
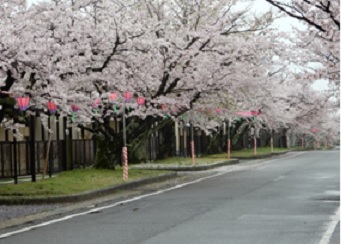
292,199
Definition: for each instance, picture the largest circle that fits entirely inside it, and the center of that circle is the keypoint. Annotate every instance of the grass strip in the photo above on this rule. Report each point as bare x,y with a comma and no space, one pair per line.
214,158
75,181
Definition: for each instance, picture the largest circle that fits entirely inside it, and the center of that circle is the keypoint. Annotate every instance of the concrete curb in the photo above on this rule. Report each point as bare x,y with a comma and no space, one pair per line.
86,195
270,155
188,168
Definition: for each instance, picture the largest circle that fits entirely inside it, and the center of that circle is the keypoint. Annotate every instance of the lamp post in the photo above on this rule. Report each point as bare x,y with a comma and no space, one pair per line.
112,99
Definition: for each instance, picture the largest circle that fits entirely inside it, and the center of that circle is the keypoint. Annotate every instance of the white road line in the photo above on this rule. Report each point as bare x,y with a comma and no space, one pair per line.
8,234
335,219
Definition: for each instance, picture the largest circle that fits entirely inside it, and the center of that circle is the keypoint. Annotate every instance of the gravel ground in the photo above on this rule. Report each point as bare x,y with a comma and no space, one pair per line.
18,211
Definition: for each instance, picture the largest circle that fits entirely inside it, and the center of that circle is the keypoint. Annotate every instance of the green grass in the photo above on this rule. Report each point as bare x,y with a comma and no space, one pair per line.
76,181
81,180
209,159
260,151
188,161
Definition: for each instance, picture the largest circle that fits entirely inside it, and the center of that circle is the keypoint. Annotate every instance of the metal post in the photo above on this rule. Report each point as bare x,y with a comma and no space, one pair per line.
124,148
32,148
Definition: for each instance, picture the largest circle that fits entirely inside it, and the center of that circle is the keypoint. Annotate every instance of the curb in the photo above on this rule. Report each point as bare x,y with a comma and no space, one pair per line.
189,168
270,155
86,195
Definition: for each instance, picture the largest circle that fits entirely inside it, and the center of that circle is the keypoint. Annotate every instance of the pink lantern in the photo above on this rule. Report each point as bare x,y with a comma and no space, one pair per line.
218,110
254,113
96,103
23,103
74,108
247,113
141,101
52,107
112,97
127,96
314,130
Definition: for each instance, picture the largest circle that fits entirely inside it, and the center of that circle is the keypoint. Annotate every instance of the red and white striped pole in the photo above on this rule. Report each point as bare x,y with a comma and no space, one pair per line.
124,148
125,163
193,153
192,145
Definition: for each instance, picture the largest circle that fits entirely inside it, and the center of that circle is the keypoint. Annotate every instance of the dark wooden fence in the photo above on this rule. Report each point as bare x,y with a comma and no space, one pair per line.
82,151
70,154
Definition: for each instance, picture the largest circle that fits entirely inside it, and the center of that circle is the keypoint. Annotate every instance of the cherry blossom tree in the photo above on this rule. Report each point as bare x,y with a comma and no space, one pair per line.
170,53
322,39
193,60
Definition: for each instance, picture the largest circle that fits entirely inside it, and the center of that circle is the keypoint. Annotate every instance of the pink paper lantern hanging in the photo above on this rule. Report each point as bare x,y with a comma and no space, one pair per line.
74,108
254,113
52,107
127,96
314,130
96,103
248,113
23,103
141,101
113,97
